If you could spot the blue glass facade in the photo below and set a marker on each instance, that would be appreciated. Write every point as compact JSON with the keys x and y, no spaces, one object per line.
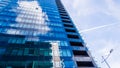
{"x":40,"y":34}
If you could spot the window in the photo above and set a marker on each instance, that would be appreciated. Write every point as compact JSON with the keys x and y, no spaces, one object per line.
{"x":46,"y":53}
{"x":63,"y":43}
{"x":72,"y":36}
{"x":65,"y":53}
{"x":70,"y":30}
{"x":31,"y":51}
{"x":12,"y":40}
{"x":11,"y":31}
{"x":85,"y":64}
{"x":26,"y":51}
{"x":68,"y":25}
{"x":80,"y":53}
{"x":63,"y":14}
{"x":20,"y":52}
{"x":69,"y":64}
{"x":64,"y":17}
{"x":2,"y":50}
{"x":60,"y":35}
{"x":16,"y":40}
{"x":68,"y":53}
{"x":14,"y":52}
{"x":72,"y":43}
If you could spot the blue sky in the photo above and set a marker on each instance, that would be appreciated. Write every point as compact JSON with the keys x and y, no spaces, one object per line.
{"x":103,"y":16}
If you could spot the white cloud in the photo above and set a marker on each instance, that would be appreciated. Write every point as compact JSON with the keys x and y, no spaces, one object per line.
{"x":85,"y":7}
{"x":88,"y":7}
{"x":113,"y":8}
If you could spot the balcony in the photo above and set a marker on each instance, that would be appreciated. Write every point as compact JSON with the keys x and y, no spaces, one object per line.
{"x":63,"y":14}
{"x":68,"y":25}
{"x":86,"y":67}
{"x":80,"y":53}
{"x":70,"y":30}
{"x":65,"y":17}
{"x":81,"y":58}
{"x":72,"y":43}
{"x":72,"y":36}
{"x":85,"y":64}
{"x":79,"y":48}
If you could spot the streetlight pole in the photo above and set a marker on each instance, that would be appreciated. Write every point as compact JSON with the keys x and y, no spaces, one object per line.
{"x":105,"y":59}
{"x":106,"y":62}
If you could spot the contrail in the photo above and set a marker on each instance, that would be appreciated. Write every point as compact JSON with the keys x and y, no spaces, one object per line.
{"x":98,"y":27}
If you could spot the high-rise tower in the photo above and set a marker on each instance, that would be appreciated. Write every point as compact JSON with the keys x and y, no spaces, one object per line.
{"x":40,"y":34}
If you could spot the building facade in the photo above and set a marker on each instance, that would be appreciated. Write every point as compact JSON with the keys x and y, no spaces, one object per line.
{"x":40,"y":34}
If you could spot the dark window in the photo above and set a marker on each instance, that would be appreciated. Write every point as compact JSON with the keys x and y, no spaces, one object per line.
{"x":68,"y":25}
{"x":63,"y":17}
{"x":29,"y":43}
{"x":61,"y":9}
{"x":80,"y":53}
{"x":85,"y":64}
{"x":63,"y":14}
{"x":70,"y":30}
{"x":31,"y":51}
{"x":72,"y":36}
{"x":66,"y":21}
{"x":17,"y":67}
{"x":76,"y":43}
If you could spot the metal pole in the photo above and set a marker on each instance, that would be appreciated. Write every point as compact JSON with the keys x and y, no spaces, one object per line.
{"x":105,"y":59}
{"x":106,"y":62}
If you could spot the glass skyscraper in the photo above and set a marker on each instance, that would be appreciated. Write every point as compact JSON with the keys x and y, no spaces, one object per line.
{"x":40,"y":34}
